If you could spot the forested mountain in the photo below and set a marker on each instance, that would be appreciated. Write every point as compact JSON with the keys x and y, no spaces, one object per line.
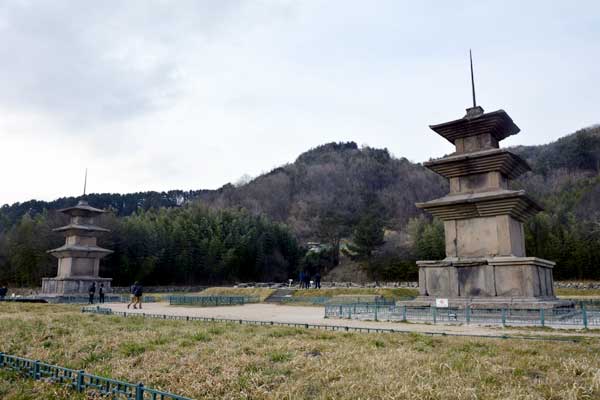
{"x":334,"y":184}
{"x":335,"y":193}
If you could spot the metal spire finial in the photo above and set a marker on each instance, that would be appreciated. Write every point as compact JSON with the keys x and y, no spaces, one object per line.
{"x":472,"y":79}
{"x":85,"y":182}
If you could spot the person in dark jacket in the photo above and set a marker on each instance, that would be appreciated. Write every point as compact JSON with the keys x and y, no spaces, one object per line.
{"x":317,"y":280}
{"x":101,"y":293}
{"x":139,"y":292}
{"x":301,"y":279}
{"x":92,"y":292}
{"x":133,"y":290}
{"x":3,"y":291}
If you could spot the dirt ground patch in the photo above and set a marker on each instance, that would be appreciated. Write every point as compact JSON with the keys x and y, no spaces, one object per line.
{"x":315,"y":315}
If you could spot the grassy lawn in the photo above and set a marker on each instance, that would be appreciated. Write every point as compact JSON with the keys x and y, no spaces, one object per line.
{"x":571,"y":292}
{"x":217,"y":360}
{"x":386,"y":292}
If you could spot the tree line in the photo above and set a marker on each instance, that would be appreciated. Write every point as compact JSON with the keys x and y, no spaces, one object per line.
{"x":186,"y":245}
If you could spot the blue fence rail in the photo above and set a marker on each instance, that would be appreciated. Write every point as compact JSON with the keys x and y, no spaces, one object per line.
{"x":212,"y":301}
{"x":580,"y":316}
{"x":325,"y":327}
{"x":81,"y":381}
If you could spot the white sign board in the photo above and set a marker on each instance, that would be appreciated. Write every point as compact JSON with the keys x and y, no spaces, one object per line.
{"x":441,"y":303}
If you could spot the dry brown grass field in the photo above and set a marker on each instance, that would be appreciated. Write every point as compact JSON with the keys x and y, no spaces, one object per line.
{"x":573,"y":292}
{"x":219,"y":360}
{"x":263,"y":293}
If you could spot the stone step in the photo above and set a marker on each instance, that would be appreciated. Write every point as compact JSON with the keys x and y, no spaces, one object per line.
{"x":279,"y":295}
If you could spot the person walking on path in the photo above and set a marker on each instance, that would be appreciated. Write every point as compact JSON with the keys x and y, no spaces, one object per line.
{"x":133,"y":290}
{"x":101,"y":293}
{"x":92,"y":292}
{"x":139,"y":292}
{"x":317,"y":280}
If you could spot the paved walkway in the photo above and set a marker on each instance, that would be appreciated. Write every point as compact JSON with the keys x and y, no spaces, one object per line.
{"x":314,"y":315}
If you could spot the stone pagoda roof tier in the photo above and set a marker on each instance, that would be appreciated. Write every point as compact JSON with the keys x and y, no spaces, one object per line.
{"x":479,"y":162}
{"x":79,"y":250}
{"x":82,"y":209}
{"x":80,"y":228}
{"x":484,"y":204}
{"x":496,"y":123}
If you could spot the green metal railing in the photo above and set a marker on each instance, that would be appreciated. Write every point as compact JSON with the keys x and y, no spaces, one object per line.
{"x":582,"y":315}
{"x":212,"y":301}
{"x":81,"y":381}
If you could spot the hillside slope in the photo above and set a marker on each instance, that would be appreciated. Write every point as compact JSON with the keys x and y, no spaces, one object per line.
{"x":335,"y":182}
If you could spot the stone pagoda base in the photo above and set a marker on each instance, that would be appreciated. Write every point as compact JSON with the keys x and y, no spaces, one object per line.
{"x":73,"y":285}
{"x":516,"y":282}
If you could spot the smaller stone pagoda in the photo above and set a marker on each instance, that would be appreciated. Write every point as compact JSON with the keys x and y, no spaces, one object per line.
{"x":79,"y":258}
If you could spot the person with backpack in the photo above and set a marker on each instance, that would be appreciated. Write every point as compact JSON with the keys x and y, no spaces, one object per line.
{"x":92,"y":292}
{"x":139,"y":292}
{"x":133,"y":290}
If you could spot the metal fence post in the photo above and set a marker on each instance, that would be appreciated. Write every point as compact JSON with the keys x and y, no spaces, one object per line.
{"x":139,"y":392}
{"x":584,"y":315}
{"x":434,"y":313}
{"x":376,"y":312}
{"x":404,"y":313}
{"x":1,"y":359}
{"x":542,"y":317}
{"x":341,"y":312}
{"x":468,"y":314}
{"x":36,"y":369}
{"x":79,"y":386}
{"x":503,"y":316}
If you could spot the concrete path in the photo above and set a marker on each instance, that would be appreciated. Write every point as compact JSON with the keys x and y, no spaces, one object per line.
{"x":314,"y":315}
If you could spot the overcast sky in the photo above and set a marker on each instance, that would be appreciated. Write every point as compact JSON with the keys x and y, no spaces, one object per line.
{"x":159,"y":95}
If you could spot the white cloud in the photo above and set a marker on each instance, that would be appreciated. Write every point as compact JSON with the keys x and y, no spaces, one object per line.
{"x":158,"y":95}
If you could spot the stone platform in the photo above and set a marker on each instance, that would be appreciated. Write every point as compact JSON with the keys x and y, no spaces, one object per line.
{"x":490,"y":282}
{"x":486,"y":277}
{"x":73,"y":285}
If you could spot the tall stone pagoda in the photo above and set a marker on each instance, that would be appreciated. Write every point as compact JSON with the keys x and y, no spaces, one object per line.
{"x":483,"y":219}
{"x":79,"y":258}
